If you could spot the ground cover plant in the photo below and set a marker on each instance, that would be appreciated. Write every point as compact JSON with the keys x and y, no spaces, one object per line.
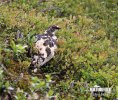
{"x":87,"y":53}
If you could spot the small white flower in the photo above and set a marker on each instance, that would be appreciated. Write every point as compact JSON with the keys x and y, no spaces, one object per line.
{"x":10,"y":88}
{"x":35,"y":96}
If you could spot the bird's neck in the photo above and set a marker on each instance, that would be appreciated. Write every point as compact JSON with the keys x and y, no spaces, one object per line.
{"x":49,"y":33}
{"x":52,"y":35}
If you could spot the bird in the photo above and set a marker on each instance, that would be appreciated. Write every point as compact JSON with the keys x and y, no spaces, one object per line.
{"x":44,"y":47}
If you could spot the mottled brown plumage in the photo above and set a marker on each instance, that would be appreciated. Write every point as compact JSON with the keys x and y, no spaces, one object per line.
{"x":45,"y":47}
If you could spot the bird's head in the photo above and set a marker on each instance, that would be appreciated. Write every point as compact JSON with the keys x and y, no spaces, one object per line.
{"x":55,"y":27}
{"x":52,"y":29}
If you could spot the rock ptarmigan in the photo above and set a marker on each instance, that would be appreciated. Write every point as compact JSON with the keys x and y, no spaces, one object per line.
{"x":44,"y":48}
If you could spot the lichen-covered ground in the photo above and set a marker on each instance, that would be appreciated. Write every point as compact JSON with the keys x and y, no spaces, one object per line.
{"x":87,"y":53}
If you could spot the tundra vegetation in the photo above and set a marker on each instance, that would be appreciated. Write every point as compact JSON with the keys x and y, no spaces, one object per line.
{"x":87,"y":53}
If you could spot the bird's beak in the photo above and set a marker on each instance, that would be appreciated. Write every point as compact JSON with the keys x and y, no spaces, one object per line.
{"x":58,"y":28}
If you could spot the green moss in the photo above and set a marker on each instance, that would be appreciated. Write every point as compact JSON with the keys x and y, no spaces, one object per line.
{"x":24,"y":83}
{"x":87,"y":44}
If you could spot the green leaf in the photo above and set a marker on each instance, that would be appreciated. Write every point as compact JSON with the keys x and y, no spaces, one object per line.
{"x":50,"y":93}
{"x":48,"y":78}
